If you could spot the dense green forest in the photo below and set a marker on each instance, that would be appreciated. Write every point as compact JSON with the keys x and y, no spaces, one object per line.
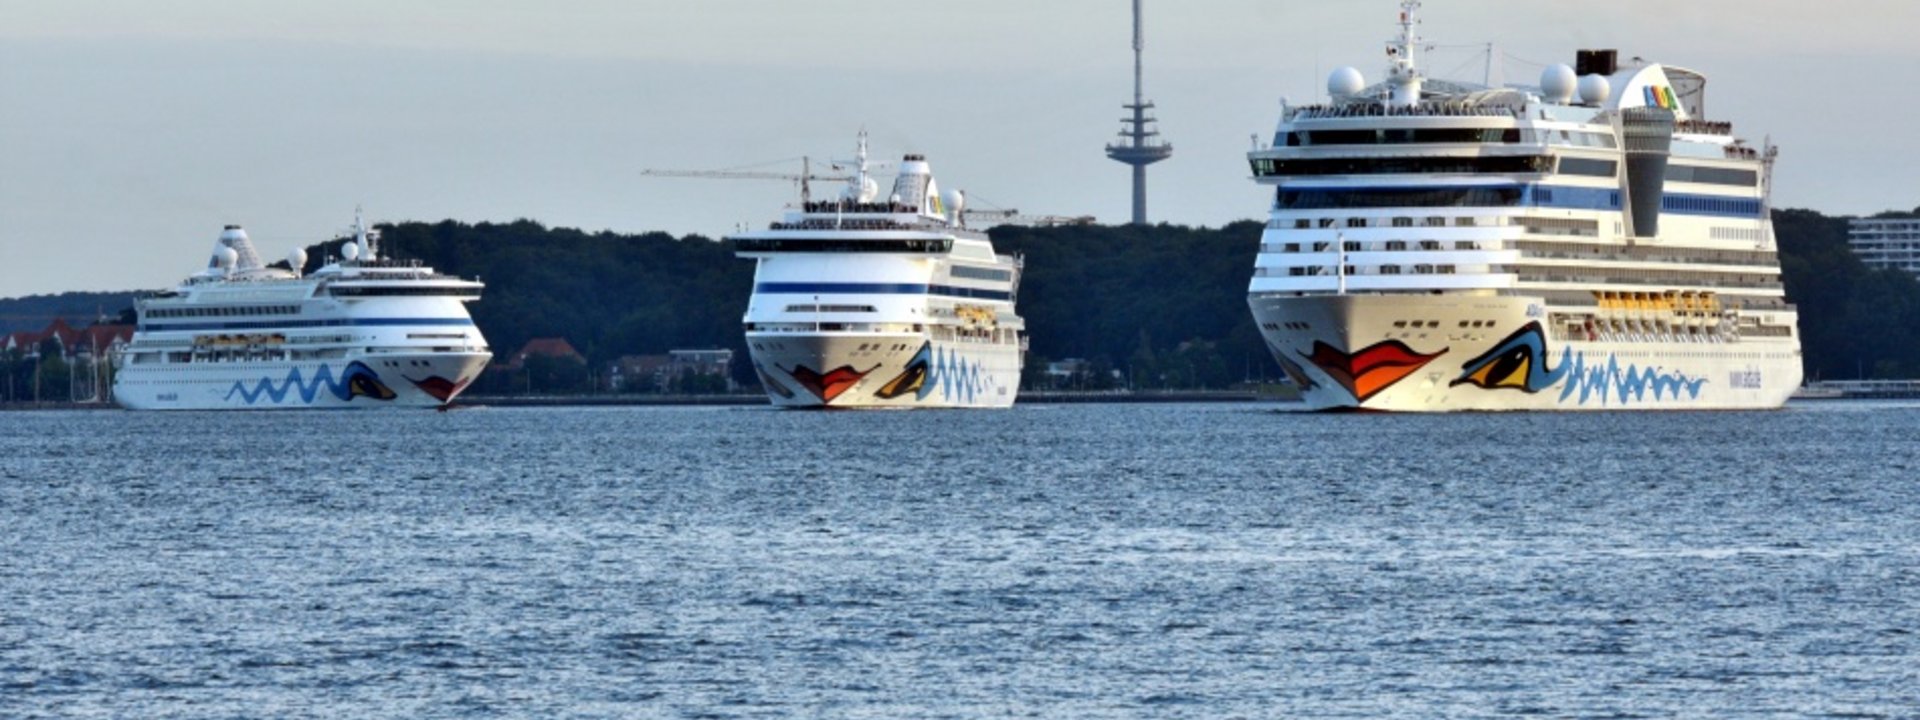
{"x":1163,"y":305}
{"x":1854,"y":322}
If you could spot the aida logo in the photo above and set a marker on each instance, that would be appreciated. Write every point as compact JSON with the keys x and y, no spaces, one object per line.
{"x":1661,"y":96}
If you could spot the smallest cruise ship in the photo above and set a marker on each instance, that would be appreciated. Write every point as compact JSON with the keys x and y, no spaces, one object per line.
{"x":363,"y":331}
{"x":872,"y":302}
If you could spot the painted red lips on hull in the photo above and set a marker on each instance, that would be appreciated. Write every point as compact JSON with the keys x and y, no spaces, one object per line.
{"x":830,"y":385}
{"x":440,"y":388}
{"x":1372,"y":369}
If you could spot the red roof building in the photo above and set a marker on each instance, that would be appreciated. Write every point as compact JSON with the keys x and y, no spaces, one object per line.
{"x":101,"y":338}
{"x":545,"y":347}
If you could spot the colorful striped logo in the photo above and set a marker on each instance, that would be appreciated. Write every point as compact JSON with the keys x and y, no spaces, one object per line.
{"x":1661,"y":96}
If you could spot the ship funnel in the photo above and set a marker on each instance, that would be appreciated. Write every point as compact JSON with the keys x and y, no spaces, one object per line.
{"x":1648,"y":136}
{"x":235,"y":238}
{"x":916,"y":178}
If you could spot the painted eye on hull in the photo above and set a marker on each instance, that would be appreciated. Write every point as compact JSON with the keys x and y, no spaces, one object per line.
{"x":1519,"y":363}
{"x":362,"y":381}
{"x":912,"y":379}
{"x":1507,"y":370}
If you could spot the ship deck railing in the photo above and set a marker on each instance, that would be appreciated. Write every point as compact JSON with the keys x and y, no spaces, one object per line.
{"x":870,"y":224}
{"x":1425,"y":109}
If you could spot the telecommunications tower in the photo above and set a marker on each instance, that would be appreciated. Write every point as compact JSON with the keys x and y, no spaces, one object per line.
{"x":1139,"y":144}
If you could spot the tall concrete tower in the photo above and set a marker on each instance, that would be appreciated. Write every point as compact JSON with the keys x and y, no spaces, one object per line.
{"x":1139,"y":145}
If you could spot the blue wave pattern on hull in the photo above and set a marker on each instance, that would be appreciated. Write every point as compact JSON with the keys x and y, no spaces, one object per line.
{"x":959,"y":379}
{"x":343,"y":388}
{"x":1629,"y":384}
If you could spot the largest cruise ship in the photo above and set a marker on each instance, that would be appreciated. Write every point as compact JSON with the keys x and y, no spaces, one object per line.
{"x":1594,"y":242}
{"x":864,"y":302}
{"x":362,"y":331}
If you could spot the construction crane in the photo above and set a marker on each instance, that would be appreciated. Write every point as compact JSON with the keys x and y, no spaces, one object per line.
{"x":986,"y":218}
{"x":806,"y":176}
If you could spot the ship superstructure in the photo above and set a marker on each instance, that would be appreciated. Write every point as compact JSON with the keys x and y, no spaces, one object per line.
{"x":1596,"y":242}
{"x":872,"y":300}
{"x":362,"y":331}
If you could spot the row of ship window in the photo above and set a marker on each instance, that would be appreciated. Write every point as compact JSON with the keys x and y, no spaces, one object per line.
{"x":231,"y":311}
{"x":1723,"y":206}
{"x":979,"y":273}
{"x":843,"y":245}
{"x":1288,"y":325}
{"x":1360,"y":222}
{"x":1622,"y":277}
{"x":1419,"y":136}
{"x":1435,"y":324}
{"x":831,"y":309}
{"x":1315,"y":270}
{"x":1508,"y":164}
{"x":1613,"y":253}
{"x":404,"y":292}
{"x":1389,"y":246}
{"x":1572,"y":198}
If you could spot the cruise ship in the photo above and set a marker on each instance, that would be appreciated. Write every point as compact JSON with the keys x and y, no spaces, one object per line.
{"x":363,"y":331}
{"x":866,"y":301}
{"x":1596,"y":242}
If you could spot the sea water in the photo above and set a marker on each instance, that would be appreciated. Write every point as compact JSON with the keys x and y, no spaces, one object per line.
{"x":1082,"y":561}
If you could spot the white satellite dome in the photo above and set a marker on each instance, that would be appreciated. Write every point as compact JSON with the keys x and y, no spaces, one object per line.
{"x":955,"y":200}
{"x":296,"y":259}
{"x":350,"y":251}
{"x":868,"y":190}
{"x":1595,"y":89}
{"x":1346,"y":82}
{"x":1557,"y":83}
{"x":224,"y":257}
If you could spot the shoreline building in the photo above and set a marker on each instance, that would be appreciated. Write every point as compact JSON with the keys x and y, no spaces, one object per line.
{"x":1886,"y":243}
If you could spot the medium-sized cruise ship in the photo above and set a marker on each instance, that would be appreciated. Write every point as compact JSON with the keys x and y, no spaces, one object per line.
{"x":363,"y":331}
{"x":1594,"y":242}
{"x":869,"y":301}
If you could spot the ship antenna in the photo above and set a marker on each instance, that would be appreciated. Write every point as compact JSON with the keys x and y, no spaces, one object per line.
{"x":860,"y":156}
{"x":369,"y":242}
{"x":1768,"y":153}
{"x":1404,"y":75}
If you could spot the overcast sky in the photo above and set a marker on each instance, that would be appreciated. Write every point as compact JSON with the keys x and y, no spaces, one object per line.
{"x":132,"y":130}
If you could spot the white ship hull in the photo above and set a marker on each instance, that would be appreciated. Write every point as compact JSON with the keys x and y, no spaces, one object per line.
{"x":1436,"y":353}
{"x":421,"y":380}
{"x":864,"y":370}
{"x":865,"y":304}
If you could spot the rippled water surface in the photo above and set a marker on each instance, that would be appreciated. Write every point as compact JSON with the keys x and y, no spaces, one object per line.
{"x":1067,"y":561}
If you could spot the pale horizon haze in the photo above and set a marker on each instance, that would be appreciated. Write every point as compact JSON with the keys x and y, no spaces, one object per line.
{"x":131,"y":131}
